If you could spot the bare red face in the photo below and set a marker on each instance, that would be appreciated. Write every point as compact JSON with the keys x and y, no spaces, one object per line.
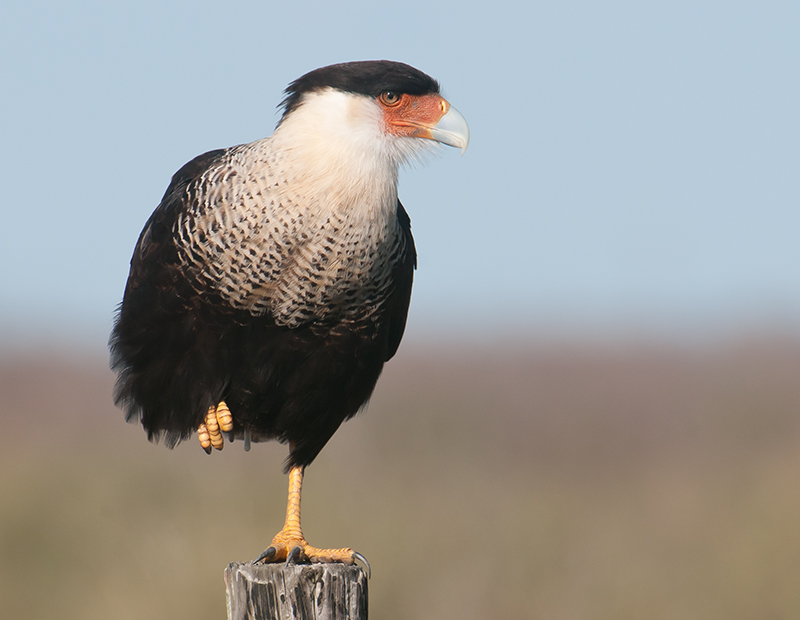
{"x":412,"y":116}
{"x":423,"y":116}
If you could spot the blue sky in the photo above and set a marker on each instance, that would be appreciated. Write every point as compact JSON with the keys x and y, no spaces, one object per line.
{"x":634,"y":167}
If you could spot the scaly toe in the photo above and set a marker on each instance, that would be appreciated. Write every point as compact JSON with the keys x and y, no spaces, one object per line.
{"x":213,"y":429}
{"x":205,"y":440}
{"x":224,"y":417}
{"x":345,"y":555}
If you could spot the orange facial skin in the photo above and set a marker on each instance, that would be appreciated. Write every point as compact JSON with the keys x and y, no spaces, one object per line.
{"x":412,"y":116}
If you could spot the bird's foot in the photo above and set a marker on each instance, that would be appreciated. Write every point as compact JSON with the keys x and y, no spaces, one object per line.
{"x":293,"y":549}
{"x":218,"y":420}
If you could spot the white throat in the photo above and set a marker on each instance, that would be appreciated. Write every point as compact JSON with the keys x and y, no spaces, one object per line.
{"x":333,"y":147}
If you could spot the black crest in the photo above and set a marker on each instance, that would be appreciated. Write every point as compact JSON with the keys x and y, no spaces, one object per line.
{"x":366,"y":77}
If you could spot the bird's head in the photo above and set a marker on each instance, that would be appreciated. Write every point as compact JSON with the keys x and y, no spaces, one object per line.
{"x":377,"y":107}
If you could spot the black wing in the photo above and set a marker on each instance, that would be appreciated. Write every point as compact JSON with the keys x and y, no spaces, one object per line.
{"x":157,"y":323}
{"x":403,"y":280}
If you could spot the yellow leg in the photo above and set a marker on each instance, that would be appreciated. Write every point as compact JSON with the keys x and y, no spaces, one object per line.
{"x":290,"y":545}
{"x":209,"y":432}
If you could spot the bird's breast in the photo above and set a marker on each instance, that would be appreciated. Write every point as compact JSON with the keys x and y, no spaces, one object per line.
{"x":266,"y":249}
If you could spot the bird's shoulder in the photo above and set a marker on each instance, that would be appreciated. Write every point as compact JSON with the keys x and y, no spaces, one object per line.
{"x":160,"y":225}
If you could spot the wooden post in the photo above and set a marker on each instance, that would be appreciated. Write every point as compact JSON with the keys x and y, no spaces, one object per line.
{"x":296,"y":592}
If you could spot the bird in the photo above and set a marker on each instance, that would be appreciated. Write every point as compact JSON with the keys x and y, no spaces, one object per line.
{"x":273,"y":280}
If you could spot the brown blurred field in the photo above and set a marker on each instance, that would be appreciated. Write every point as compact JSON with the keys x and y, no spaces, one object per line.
{"x":557,"y":482}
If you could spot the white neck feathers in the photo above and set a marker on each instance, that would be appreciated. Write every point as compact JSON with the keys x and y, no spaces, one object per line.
{"x":333,"y":149}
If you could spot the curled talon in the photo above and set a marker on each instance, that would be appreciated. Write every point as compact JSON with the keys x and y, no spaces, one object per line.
{"x":266,"y":554}
{"x":294,"y":555}
{"x":363,"y":560}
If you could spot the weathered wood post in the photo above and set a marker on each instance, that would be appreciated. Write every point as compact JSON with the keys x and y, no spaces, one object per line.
{"x":296,"y":592}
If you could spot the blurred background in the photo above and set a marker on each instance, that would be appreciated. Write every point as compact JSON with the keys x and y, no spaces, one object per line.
{"x":595,"y":411}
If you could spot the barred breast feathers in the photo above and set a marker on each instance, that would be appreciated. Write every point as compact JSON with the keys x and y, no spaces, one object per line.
{"x":285,"y":227}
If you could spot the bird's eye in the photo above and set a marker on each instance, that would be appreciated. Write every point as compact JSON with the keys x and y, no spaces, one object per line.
{"x":390,"y":98}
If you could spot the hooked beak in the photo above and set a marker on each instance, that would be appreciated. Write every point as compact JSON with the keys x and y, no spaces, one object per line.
{"x":451,"y":129}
